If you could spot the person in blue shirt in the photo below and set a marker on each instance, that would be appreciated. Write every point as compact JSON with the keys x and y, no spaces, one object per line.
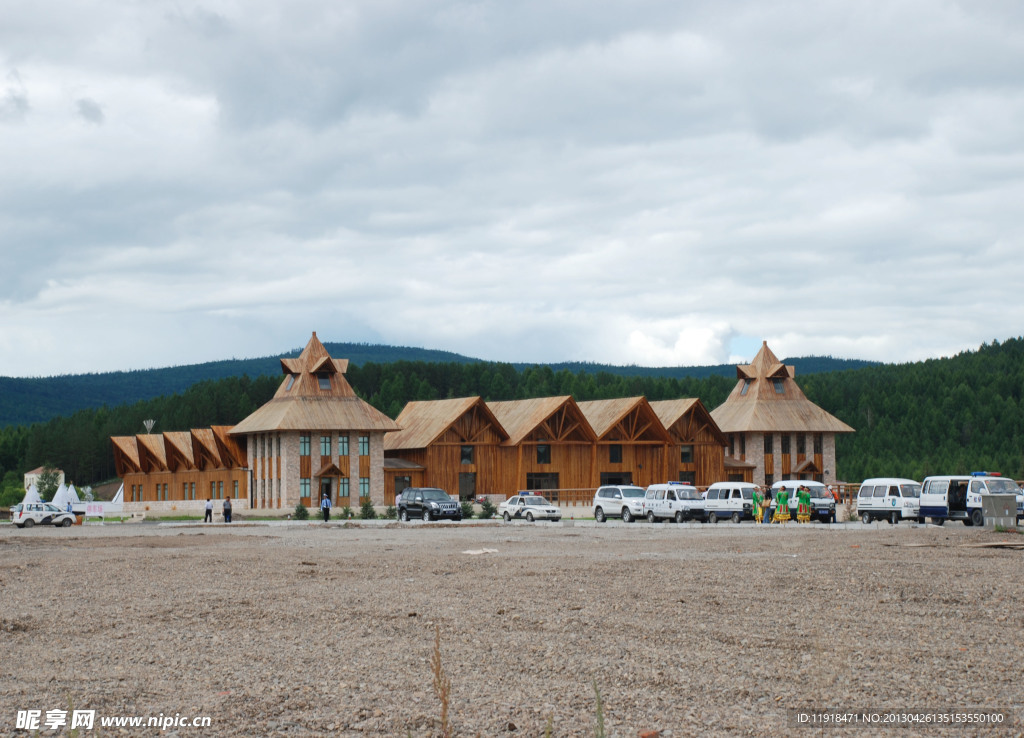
{"x":325,"y":507}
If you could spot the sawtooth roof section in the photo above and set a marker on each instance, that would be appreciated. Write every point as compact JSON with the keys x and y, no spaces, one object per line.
{"x":757,"y":404}
{"x":300,"y":403}
{"x":633,"y":416}
{"x":521,"y":418}
{"x":152,"y":455}
{"x":178,"y":445}
{"x":423,"y":422}
{"x":126,"y":455}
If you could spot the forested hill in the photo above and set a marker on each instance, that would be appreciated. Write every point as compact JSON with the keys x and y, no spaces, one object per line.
{"x":31,"y":400}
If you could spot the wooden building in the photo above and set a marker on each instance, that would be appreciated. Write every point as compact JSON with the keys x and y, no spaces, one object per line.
{"x":696,"y":453}
{"x":450,"y":444}
{"x":771,"y":425}
{"x":631,"y":441}
{"x":181,"y":469}
{"x":550,"y":443}
{"x":315,"y":437}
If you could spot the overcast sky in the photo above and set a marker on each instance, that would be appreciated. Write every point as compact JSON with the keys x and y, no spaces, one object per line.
{"x":652,"y":181}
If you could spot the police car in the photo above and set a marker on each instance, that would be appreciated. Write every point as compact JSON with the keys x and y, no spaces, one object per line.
{"x":40,"y":513}
{"x":889,"y":498}
{"x":673,"y":501}
{"x":958,"y":497}
{"x":529,"y":506}
{"x":734,"y":500}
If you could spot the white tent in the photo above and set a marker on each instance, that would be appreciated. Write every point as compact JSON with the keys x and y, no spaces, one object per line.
{"x":61,"y":498}
{"x":32,"y":495}
{"x":73,"y":493}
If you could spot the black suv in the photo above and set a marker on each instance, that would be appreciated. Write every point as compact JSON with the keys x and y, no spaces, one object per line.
{"x":428,"y":503}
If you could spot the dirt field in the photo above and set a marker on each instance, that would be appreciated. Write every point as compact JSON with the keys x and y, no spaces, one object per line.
{"x":306,"y":629}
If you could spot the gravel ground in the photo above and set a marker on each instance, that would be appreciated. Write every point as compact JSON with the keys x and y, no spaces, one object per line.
{"x":307,"y":629}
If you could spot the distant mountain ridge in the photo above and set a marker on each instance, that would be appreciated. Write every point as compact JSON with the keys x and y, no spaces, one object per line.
{"x":26,"y":400}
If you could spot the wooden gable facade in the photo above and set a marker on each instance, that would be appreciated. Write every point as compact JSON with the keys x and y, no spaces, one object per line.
{"x":450,"y":444}
{"x":550,"y":445}
{"x":696,"y":453}
{"x":631,"y":441}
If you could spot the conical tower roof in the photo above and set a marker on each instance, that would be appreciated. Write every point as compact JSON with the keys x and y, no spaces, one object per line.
{"x":315,"y":396}
{"x":767,"y":398}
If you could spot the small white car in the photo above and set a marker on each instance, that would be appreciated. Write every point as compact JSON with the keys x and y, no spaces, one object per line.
{"x":530,"y":507}
{"x":40,"y":513}
{"x":734,"y":500}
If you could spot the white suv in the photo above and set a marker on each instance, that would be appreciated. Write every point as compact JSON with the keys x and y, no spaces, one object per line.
{"x":673,"y":501}
{"x":40,"y":513}
{"x":619,"y":501}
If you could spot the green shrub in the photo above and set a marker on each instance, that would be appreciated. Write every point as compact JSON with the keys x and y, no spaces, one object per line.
{"x":301,"y":513}
{"x":346,"y":512}
{"x":467,"y":509}
{"x":391,"y":513}
{"x":366,"y":511}
{"x":487,"y":509}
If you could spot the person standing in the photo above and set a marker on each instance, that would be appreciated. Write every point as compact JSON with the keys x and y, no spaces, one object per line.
{"x":767,"y":504}
{"x":227,"y":509}
{"x":325,"y":507}
{"x":209,"y":511}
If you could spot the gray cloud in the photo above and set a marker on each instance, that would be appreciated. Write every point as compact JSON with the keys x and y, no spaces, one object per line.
{"x":90,"y":111}
{"x":636,"y":182}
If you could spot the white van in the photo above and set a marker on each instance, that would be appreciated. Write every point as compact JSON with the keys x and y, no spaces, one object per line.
{"x":823,"y":504}
{"x":959,"y":497}
{"x":729,"y":500}
{"x":889,"y":498}
{"x":673,"y":501}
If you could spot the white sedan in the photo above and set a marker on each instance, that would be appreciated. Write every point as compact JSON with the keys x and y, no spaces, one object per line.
{"x":531,"y":507}
{"x":40,"y":513}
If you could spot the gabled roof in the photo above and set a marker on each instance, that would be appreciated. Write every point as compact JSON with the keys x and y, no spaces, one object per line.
{"x":178,"y":445}
{"x":767,"y":398}
{"x":423,"y":422}
{"x":685,"y":417}
{"x":126,"y":455}
{"x":624,"y":419}
{"x":315,"y":396}
{"x":152,"y":455}
{"x":554,"y":418}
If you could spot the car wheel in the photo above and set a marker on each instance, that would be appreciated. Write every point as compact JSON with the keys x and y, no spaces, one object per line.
{"x":403,"y":515}
{"x":712,"y":517}
{"x":65,"y":523}
{"x":29,"y":523}
{"x":650,"y":516}
{"x":736,"y":517}
{"x":599,"y":515}
{"x":679,"y":516}
{"x":627,"y":516}
{"x":426,"y":516}
{"x":865,"y":517}
{"x":939,"y":521}
{"x":508,"y":518}
{"x":977,"y":518}
{"x":529,"y":516}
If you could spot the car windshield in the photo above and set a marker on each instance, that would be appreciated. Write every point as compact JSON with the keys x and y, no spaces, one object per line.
{"x":910,"y":490}
{"x":535,"y":501}
{"x":1002,"y":486}
{"x":632,"y":492}
{"x":51,"y":508}
{"x":688,"y":494}
{"x":748,"y":494}
{"x":435,"y":495}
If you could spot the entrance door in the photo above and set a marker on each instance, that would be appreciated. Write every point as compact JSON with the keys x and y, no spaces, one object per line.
{"x":325,"y":489}
{"x":400,"y":484}
{"x":467,"y":485}
{"x":616,"y":478}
